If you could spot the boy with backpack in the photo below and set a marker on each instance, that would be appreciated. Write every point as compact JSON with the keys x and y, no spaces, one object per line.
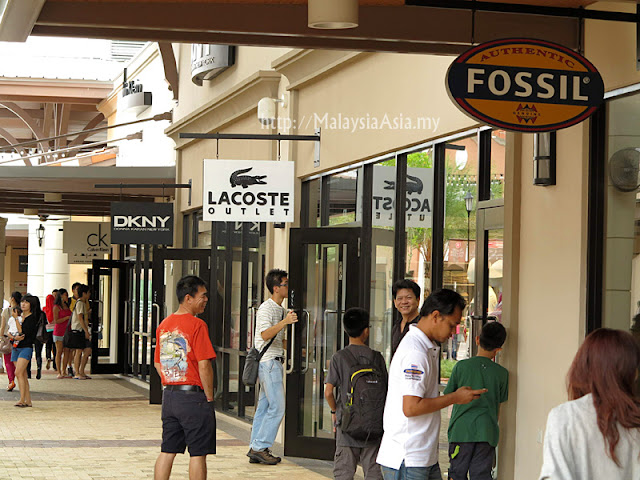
{"x":360,"y":376}
{"x":473,"y":429}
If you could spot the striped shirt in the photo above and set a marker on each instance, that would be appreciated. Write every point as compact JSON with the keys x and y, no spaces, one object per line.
{"x":269,"y":314}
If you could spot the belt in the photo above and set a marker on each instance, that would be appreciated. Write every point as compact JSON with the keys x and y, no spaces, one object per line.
{"x":184,"y":388}
{"x":280,"y":359}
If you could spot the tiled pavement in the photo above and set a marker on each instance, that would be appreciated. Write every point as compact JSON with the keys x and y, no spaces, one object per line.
{"x":104,"y":428}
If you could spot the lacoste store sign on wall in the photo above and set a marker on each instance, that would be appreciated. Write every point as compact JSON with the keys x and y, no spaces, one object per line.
{"x":248,"y":191}
{"x":142,"y":223}
{"x":525,"y":85}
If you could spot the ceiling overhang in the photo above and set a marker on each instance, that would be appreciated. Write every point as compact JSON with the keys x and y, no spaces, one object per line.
{"x":24,"y":187}
{"x":435,"y":27}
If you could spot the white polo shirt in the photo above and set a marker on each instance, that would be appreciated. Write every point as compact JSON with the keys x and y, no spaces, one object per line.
{"x":413,"y":371}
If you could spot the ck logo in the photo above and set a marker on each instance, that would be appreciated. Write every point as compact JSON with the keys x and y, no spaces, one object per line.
{"x":97,"y":239}
{"x":237,"y":178}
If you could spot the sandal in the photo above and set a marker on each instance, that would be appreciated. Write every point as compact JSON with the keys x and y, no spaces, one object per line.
{"x":20,"y":405}
{"x":80,"y":378}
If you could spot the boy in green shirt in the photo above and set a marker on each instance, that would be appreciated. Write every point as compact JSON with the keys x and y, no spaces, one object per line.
{"x":473,"y":429}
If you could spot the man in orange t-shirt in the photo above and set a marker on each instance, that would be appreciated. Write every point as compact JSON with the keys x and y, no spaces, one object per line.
{"x":183,"y":360}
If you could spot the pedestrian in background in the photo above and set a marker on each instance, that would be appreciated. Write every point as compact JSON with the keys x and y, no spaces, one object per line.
{"x":356,"y":361}
{"x":596,"y":434}
{"x":183,"y":360}
{"x":473,"y":428}
{"x":14,"y":302}
{"x":61,"y":318}
{"x":271,"y":322}
{"x":406,"y":299}
{"x":23,"y":351}
{"x":409,"y":447}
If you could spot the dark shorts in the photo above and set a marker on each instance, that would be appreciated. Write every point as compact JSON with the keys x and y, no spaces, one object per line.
{"x":187,"y":421}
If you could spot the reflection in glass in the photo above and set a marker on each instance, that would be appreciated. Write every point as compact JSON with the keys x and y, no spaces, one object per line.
{"x":343,"y":197}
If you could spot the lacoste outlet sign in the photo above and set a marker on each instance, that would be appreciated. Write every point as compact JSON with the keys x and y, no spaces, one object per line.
{"x":525,"y":85}
{"x":138,"y":223}
{"x":248,"y":191}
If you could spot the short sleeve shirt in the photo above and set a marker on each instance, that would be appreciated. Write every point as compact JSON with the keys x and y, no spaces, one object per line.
{"x":339,"y":370}
{"x":413,"y":372}
{"x":181,"y":342}
{"x":477,"y":421}
{"x":80,"y":308}
{"x":268,"y":315}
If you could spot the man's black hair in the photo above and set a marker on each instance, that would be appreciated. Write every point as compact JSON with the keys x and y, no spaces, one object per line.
{"x":82,"y":289}
{"x":76,"y":284}
{"x":54,"y":291}
{"x":444,"y":300}
{"x":17,"y":296}
{"x":405,"y":283}
{"x":355,"y":320}
{"x":492,"y":336}
{"x":274,"y":278}
{"x":189,"y":285}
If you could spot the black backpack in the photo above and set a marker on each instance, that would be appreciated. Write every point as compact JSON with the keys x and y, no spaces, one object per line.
{"x":363,"y":409}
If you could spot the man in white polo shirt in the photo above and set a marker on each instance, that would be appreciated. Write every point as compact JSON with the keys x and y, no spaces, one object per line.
{"x":409,"y":447}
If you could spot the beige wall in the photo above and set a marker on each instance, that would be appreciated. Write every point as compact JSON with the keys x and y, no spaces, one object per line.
{"x":552,"y":285}
{"x":11,"y":270}
{"x":370,"y":87}
{"x":248,"y":61}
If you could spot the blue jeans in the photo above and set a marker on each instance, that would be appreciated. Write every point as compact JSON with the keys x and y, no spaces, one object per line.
{"x":412,"y":473}
{"x":271,"y":405}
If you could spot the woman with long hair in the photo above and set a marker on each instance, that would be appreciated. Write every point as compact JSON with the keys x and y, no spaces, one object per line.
{"x":21,"y":354}
{"x":61,"y":317}
{"x":596,"y":434}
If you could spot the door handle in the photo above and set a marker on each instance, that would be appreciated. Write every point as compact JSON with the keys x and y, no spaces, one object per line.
{"x":306,"y":357}
{"x":156,"y":306}
{"x":292,"y":349}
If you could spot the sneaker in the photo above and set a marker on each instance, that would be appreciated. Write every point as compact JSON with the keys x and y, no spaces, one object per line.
{"x":39,"y":374}
{"x":261,"y":456}
{"x":278,"y":459}
{"x":11,"y":386}
{"x":49,"y":364}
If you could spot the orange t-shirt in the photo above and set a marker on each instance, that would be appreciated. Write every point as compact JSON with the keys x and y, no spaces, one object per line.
{"x":181,"y":342}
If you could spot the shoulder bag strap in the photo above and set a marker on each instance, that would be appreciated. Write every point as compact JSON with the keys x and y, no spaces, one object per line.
{"x":266,"y":347}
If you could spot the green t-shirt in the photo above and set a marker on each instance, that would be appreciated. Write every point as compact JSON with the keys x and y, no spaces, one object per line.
{"x":478,"y":421}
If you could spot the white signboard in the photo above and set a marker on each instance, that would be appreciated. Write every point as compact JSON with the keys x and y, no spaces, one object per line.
{"x":86,"y":241}
{"x":419,"y":201}
{"x":248,"y":191}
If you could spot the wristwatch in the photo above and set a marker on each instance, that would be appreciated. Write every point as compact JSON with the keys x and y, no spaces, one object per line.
{"x":333,"y":412}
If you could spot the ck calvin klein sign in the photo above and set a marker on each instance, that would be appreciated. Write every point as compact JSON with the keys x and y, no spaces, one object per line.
{"x":84,"y":242}
{"x":142,"y":223}
{"x":248,"y":191}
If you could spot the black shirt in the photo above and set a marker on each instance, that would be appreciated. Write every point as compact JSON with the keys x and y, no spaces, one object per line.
{"x":29,"y":330}
{"x":397,"y":335}
{"x":339,"y":371}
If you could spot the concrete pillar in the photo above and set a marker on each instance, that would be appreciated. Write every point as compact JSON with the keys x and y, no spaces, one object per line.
{"x":56,"y":266}
{"x":35,"y":271}
{"x":3,"y":237}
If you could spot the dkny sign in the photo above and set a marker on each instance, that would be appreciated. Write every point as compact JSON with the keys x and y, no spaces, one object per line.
{"x":248,"y":191}
{"x":142,"y":223}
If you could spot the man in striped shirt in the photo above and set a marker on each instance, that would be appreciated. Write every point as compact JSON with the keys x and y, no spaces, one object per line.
{"x":271,"y":322}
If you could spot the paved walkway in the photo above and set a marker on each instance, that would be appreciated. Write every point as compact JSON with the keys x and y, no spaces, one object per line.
{"x":104,"y":428}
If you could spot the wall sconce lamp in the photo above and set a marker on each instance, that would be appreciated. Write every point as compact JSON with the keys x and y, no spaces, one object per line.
{"x":40,"y":232}
{"x":544,"y":159}
{"x":332,"y":14}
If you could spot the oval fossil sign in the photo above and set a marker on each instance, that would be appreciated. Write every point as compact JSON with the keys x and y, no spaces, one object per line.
{"x":525,"y":85}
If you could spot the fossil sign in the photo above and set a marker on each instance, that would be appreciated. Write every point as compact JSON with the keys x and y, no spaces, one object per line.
{"x":248,"y":191}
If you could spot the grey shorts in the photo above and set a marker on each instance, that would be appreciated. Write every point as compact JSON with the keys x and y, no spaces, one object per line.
{"x":56,"y":338}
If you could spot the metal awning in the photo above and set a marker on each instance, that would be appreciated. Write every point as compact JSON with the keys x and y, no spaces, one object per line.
{"x":25,"y":187}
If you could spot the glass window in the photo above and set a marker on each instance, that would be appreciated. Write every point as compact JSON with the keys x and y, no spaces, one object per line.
{"x":344,"y":193}
{"x":622,"y":215}
{"x":419,"y":222}
{"x":382,"y":247}
{"x":498,"y":143}
{"x":314,"y":202}
{"x":461,"y":193}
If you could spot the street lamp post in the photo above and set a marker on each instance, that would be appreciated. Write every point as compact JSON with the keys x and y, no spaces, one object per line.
{"x":468,"y":203}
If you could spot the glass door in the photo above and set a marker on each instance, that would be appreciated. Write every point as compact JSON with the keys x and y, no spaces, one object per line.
{"x":169,"y":266}
{"x":323,"y":283}
{"x":489,"y":266}
{"x":109,"y":301}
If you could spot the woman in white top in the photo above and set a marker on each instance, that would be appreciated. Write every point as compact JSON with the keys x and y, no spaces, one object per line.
{"x":596,"y":435}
